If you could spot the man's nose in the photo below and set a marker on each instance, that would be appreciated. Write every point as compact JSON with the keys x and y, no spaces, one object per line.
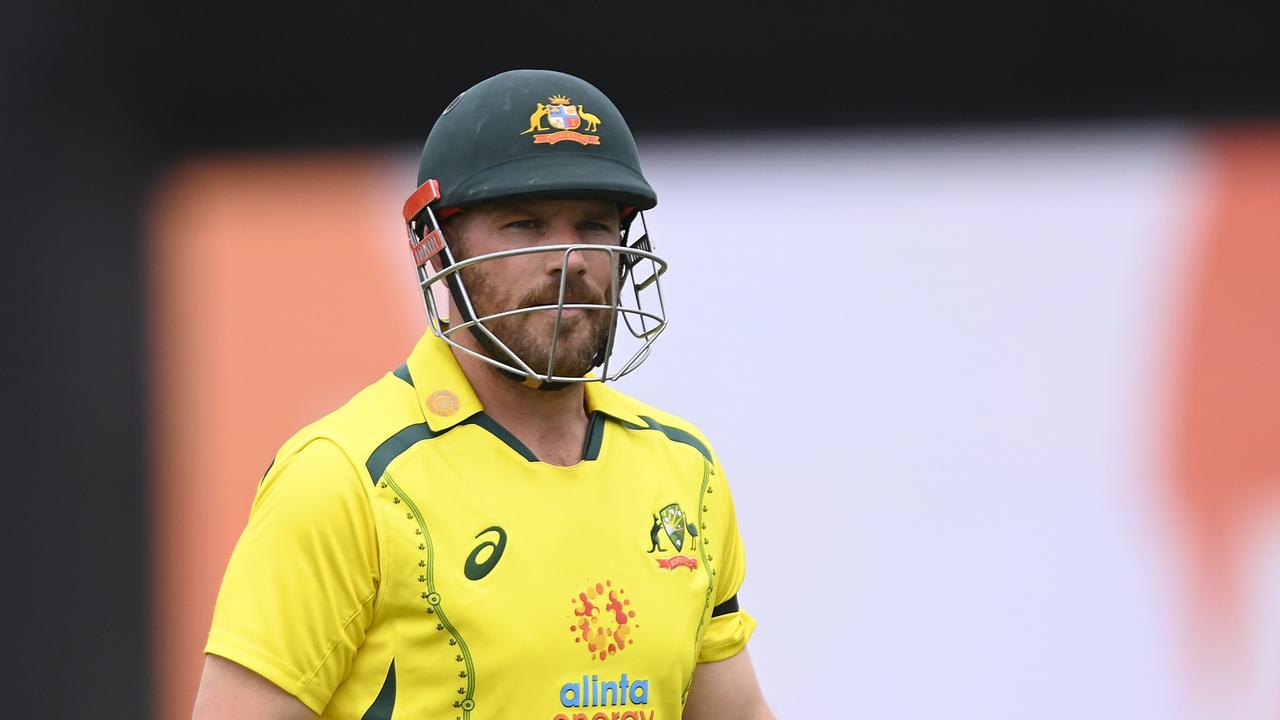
{"x":573,"y":262}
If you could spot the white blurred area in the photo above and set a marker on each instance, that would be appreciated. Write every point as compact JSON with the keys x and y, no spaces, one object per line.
{"x":930,"y":365}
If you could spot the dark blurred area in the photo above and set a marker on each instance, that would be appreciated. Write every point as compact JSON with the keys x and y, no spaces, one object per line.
{"x":100,"y":99}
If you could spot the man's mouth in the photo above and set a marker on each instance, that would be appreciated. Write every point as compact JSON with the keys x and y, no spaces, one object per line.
{"x":552,"y":304}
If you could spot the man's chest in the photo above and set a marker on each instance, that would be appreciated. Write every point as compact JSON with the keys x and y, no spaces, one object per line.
{"x":532,"y":586}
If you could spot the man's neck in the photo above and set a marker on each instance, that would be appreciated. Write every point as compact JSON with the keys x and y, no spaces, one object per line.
{"x":551,"y":423}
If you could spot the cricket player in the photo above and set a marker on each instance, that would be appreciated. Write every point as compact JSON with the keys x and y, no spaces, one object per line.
{"x":490,"y":531}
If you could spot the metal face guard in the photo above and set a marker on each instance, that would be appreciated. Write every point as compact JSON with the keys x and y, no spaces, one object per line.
{"x":635,"y":294}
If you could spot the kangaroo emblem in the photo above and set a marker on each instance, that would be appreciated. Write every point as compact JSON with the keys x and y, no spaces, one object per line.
{"x":654,"y":537}
{"x":593,"y":122}
{"x":535,"y":120}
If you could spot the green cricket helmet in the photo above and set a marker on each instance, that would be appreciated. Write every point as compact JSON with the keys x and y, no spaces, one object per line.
{"x":535,"y":134}
{"x":530,"y":134}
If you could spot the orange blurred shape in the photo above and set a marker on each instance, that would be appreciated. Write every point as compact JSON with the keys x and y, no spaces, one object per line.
{"x":1225,"y":444}
{"x":278,"y":287}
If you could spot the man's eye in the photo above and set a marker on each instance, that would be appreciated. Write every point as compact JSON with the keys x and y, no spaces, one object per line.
{"x":523,"y":224}
{"x":598,"y":227}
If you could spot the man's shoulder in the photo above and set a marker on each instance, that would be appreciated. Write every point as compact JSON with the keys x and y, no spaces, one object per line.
{"x":360,"y":425}
{"x":649,"y":417}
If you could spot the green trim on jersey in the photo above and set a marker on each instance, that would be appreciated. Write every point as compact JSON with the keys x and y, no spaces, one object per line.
{"x":433,"y":600}
{"x":673,"y":433}
{"x":267,"y":472}
{"x":385,"y":703}
{"x":402,"y":372}
{"x":595,"y":437}
{"x":709,"y":571}
{"x":502,"y":434}
{"x":391,"y":448}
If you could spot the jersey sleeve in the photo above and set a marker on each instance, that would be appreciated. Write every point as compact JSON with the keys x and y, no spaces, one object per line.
{"x":299,"y":589}
{"x":730,"y":626}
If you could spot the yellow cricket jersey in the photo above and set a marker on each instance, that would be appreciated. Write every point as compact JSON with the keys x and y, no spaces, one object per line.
{"x":407,"y":557}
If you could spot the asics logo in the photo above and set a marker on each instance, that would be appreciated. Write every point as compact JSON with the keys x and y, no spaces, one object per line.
{"x":475,"y":568}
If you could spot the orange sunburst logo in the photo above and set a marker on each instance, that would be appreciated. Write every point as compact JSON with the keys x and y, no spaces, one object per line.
{"x":603,"y":620}
{"x":443,"y":403}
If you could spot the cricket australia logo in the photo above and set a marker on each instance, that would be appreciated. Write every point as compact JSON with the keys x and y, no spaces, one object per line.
{"x":565,"y":119}
{"x":680,"y":531}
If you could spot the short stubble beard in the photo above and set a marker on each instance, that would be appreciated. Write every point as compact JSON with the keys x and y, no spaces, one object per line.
{"x":581,"y":338}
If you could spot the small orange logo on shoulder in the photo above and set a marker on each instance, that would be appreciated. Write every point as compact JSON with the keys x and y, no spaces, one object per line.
{"x":565,"y":118}
{"x":443,"y":403}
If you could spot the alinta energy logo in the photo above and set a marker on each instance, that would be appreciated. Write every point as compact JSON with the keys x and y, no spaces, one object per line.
{"x":603,"y":620}
{"x":584,"y":697}
{"x":679,"y":528}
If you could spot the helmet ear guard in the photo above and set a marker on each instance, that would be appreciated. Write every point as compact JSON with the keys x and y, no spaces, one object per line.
{"x":428,"y":246}
{"x":435,"y":262}
{"x":425,"y":245}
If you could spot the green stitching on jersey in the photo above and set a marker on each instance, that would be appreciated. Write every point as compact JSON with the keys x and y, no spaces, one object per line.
{"x":706,"y":568}
{"x":385,"y":703}
{"x":433,"y":600}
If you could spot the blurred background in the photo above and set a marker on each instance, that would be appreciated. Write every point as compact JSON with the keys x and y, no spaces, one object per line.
{"x":980,"y":305}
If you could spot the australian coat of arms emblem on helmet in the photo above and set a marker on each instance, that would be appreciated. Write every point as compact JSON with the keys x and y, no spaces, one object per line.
{"x":567,"y":121}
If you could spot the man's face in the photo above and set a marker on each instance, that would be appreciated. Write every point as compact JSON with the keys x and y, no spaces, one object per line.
{"x":533,"y":279}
